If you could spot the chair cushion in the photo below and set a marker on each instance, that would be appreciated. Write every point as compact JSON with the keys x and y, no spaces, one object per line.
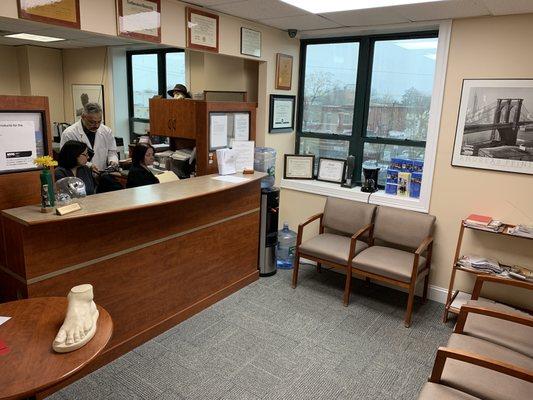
{"x":347,"y":216}
{"x":483,"y":382}
{"x":331,"y":247}
{"x":435,"y":391}
{"x":388,"y":262}
{"x":509,"y":334}
{"x":402,"y":227}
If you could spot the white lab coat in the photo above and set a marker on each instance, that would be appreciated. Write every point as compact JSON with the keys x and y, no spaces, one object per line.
{"x":105,"y":147}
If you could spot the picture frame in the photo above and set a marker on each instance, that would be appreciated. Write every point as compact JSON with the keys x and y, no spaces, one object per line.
{"x":202,"y":30}
{"x":139,"y":19}
{"x":331,"y":170}
{"x":495,"y":125}
{"x":60,"y":12}
{"x":250,"y":42}
{"x":283,"y":71}
{"x":86,"y":93}
{"x":281,"y":115}
{"x":299,"y":166}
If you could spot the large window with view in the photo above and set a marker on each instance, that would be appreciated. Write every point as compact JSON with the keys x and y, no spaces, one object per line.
{"x":368,"y":97}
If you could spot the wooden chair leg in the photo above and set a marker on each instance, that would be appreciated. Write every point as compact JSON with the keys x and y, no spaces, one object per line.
{"x":348,"y":286}
{"x":367,"y":281}
{"x":425,"y":293}
{"x":319,"y":267}
{"x":410,"y":301}
{"x":295,"y":269}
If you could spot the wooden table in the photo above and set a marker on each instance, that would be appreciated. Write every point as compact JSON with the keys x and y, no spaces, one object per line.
{"x":31,"y":365}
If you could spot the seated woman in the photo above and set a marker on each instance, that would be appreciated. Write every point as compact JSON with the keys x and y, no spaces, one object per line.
{"x":72,"y":161}
{"x":139,"y":174}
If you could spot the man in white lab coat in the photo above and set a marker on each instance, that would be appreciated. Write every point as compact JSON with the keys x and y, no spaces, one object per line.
{"x":98,"y":137}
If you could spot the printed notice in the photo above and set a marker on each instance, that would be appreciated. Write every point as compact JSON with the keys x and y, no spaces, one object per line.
{"x":18,"y":145}
{"x":241,"y":126}
{"x":218,"y":131}
{"x":244,"y":153}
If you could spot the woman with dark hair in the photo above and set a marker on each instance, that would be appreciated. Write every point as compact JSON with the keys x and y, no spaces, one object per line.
{"x":139,"y":175}
{"x":72,"y":161}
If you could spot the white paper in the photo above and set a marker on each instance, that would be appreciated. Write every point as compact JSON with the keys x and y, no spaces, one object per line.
{"x":17,"y":144}
{"x":282,"y":113}
{"x":203,"y":30}
{"x":250,"y":42}
{"x":226,"y":161}
{"x":218,"y":131}
{"x":4,"y":319}
{"x":231,"y":179}
{"x":244,"y":155}
{"x":241,"y":126}
{"x":330,"y":170}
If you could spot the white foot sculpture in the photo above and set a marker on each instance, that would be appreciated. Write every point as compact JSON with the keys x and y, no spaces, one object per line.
{"x":80,"y":322}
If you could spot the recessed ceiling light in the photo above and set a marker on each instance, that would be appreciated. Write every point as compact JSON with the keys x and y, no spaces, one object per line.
{"x":35,"y":38}
{"x":321,"y":6}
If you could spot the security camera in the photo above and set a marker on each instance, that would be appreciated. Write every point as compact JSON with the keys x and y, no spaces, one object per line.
{"x":292,"y":32}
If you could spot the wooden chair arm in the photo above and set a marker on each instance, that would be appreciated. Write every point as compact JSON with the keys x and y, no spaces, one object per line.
{"x":443,"y":353}
{"x":306,"y":222}
{"x":512,"y":317}
{"x":480,"y":279}
{"x":355,"y":237}
{"x":424,"y":245}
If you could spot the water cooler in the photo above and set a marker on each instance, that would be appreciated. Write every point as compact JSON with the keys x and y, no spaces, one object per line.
{"x":268,"y":231}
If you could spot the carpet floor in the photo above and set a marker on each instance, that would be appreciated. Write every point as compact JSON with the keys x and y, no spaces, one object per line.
{"x":269,"y":341}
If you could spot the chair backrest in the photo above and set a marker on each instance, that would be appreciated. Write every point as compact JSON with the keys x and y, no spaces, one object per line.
{"x":402,"y":227}
{"x":347,"y":216}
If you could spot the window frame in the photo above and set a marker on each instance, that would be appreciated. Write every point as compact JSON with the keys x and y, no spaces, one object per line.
{"x":358,"y":138}
{"x":161,"y":79}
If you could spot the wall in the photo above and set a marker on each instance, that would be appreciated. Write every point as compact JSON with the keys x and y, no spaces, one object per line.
{"x":9,"y":71}
{"x":491,"y":47}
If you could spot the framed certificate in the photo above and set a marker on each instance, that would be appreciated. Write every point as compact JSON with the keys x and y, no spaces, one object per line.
{"x":331,"y":170}
{"x":202,"y":30}
{"x":298,"y":166}
{"x":250,"y":42}
{"x":58,"y":12}
{"x":140,"y":19}
{"x":281,"y":117}
{"x":283,"y":71}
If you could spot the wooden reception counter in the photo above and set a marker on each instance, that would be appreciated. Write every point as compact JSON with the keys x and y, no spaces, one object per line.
{"x":155,"y":254}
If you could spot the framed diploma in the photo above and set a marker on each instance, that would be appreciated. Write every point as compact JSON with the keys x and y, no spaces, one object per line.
{"x":140,"y":19}
{"x":57,"y":12}
{"x":298,"y":166}
{"x":250,"y":42}
{"x":202,"y":30}
{"x":281,"y":117}
{"x":331,"y":170}
{"x":283,"y":71}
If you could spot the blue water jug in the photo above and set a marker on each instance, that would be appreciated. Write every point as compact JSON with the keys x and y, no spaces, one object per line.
{"x":285,"y":248}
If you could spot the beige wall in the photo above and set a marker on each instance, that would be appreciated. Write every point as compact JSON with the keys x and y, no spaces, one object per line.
{"x":491,"y":47}
{"x":9,"y":71}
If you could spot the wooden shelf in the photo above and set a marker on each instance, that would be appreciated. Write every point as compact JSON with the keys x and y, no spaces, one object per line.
{"x":504,"y":230}
{"x":459,"y":299}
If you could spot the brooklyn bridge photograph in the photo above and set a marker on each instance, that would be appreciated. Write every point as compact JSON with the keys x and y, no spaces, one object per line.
{"x":495,"y":125}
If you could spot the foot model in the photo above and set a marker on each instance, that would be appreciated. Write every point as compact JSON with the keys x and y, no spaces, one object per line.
{"x":80,"y":322}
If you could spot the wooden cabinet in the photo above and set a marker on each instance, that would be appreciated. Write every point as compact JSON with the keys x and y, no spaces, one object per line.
{"x":189,"y":119}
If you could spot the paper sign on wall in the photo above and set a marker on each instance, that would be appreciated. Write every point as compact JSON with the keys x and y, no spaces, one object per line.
{"x":17,"y":144}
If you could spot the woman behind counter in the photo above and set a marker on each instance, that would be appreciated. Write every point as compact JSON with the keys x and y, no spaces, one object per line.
{"x":72,"y":161}
{"x":139,"y":174}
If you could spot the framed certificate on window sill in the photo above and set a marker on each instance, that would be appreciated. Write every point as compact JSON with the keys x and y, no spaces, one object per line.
{"x":331,"y":170}
{"x":298,"y":166}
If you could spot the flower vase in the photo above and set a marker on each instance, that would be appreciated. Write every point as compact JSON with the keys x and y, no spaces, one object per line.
{"x":47,"y":191}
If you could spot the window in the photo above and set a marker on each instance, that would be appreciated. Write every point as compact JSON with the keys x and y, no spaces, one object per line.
{"x":368,"y":97}
{"x":151,"y":73}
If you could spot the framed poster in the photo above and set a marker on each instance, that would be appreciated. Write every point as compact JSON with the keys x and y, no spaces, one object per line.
{"x":140,"y":19}
{"x":57,"y":12}
{"x":283,"y":71}
{"x":281,"y":117}
{"x":495,"y":125}
{"x":83,"y":94}
{"x":331,"y":170}
{"x":298,"y":166}
{"x":250,"y":42}
{"x":202,"y":30}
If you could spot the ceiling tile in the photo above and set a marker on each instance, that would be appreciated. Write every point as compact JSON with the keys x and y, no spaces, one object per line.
{"x":260,"y":9}
{"x":301,"y":22}
{"x":500,"y":7}
{"x":443,"y":10}
{"x":367,"y":17}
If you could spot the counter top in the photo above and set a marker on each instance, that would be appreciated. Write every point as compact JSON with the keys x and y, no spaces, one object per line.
{"x":131,"y":199}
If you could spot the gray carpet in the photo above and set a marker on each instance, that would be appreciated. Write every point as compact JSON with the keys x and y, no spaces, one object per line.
{"x":269,"y":341}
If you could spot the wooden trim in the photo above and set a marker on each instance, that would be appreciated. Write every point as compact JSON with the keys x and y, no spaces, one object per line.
{"x":188,"y":12}
{"x":32,"y":17}
{"x":481,"y":279}
{"x":136,"y":35}
{"x":511,"y":317}
{"x":424,"y":245}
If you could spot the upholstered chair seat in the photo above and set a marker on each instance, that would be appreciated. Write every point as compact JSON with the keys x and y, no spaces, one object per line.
{"x":331,"y":247}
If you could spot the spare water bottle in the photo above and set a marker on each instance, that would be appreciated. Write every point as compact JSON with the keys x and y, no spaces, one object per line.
{"x":285,"y":248}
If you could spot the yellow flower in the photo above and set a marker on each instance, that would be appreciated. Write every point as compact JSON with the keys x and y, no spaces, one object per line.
{"x":45,"y":161}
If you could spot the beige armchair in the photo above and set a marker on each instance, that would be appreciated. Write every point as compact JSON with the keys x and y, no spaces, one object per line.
{"x":395,"y":255}
{"x":345,"y":229}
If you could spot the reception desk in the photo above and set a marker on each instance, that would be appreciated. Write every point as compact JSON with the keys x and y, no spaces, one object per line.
{"x":155,"y":254}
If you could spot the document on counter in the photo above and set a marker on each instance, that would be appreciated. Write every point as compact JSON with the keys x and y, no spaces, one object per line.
{"x":167,"y":176}
{"x":244,"y":154}
{"x":241,"y":126}
{"x":230,"y":179}
{"x":4,"y":319}
{"x":218,"y":131}
{"x":19,"y":148}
